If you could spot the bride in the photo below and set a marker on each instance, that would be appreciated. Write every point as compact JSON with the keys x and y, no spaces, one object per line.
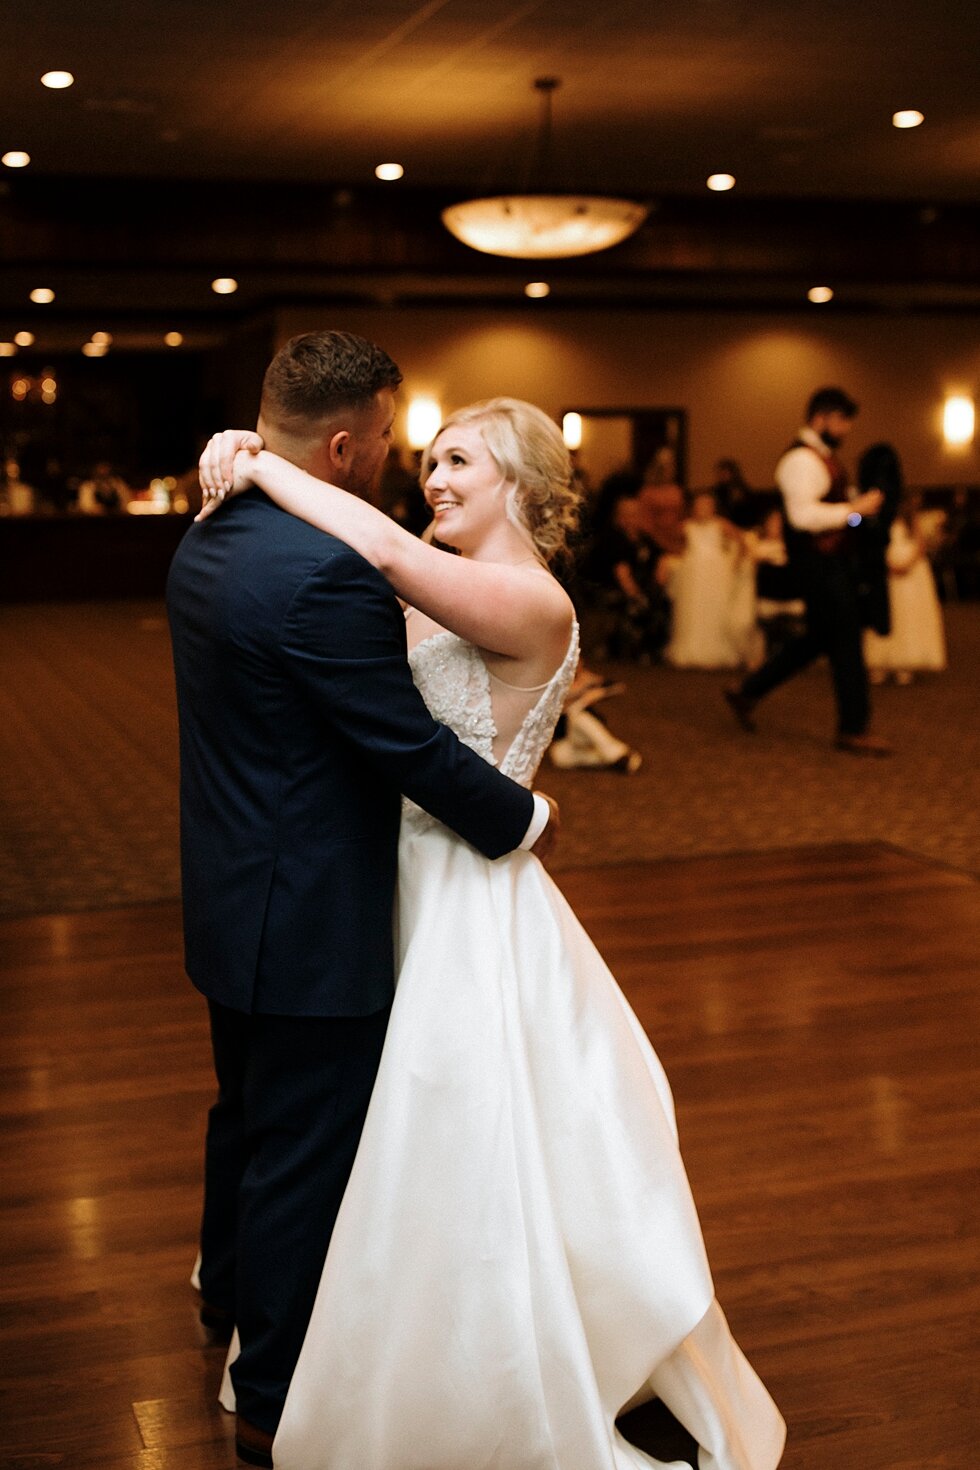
{"x":517,"y":1257}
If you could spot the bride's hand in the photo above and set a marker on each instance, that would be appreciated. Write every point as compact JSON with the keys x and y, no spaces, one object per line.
{"x":223,"y":467}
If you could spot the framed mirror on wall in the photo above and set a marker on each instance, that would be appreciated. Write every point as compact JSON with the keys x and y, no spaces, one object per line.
{"x":634,"y":439}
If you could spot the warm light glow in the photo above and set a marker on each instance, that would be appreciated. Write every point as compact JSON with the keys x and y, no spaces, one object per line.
{"x":424,"y":418}
{"x":819,"y":294}
{"x":909,"y":118}
{"x":7,"y":349}
{"x":959,"y":420}
{"x":57,"y":80}
{"x":16,"y":159}
{"x":49,"y":384}
{"x":84,"y":1228}
{"x":174,"y":339}
{"x":389,"y":171}
{"x":721,"y":182}
{"x":95,"y":349}
{"x":543,"y":226}
{"x":537,"y":290}
{"x":24,"y":339}
{"x":147,"y":508}
{"x":20,"y":388}
{"x":104,"y":339}
{"x":42,"y":295}
{"x":571,"y":430}
{"x":224,"y":286}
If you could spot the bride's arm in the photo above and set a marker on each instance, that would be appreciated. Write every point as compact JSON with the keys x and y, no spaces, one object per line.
{"x":514,"y":611}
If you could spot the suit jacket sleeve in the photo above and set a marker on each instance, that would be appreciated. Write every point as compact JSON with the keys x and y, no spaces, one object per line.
{"x":343,"y":639}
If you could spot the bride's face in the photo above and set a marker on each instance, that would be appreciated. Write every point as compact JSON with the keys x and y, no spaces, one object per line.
{"x":464,"y":487}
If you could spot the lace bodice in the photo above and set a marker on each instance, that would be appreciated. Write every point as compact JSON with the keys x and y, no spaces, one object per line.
{"x":458,"y":690}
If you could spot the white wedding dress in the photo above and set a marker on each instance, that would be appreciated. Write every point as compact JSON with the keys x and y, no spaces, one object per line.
{"x":517,"y":1257}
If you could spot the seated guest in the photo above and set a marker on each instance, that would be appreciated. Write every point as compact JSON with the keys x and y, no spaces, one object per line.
{"x":626,"y":571}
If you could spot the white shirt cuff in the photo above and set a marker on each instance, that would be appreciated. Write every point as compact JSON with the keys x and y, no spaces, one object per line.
{"x":542,"y":812}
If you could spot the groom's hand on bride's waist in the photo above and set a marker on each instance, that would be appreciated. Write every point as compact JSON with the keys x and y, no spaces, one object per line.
{"x":548,"y":840}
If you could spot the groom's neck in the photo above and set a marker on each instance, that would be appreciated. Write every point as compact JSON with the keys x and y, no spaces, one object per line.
{"x":303,"y":443}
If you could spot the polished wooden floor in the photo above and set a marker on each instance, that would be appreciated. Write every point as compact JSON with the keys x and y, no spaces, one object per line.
{"x":817,"y":1012}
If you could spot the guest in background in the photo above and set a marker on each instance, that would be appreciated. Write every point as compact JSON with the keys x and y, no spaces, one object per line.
{"x":709,"y":620}
{"x":917,"y":640}
{"x":957,"y":559}
{"x":879,"y":468}
{"x":105,"y":493}
{"x":622,"y":575}
{"x":583,"y":739}
{"x":780,"y":610}
{"x":19,"y":497}
{"x":637,"y":570}
{"x":820,"y":518}
{"x":733,"y":497}
{"x":662,"y":503}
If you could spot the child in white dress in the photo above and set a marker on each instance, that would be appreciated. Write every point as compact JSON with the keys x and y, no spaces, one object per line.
{"x":708,"y":623}
{"x":917,"y":641}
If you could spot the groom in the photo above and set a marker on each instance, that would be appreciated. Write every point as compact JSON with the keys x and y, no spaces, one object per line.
{"x":300,"y":727}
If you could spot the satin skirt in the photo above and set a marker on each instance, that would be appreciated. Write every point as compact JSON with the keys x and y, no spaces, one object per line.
{"x":517,"y":1257}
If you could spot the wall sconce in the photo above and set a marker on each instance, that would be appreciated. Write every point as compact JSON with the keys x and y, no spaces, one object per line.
{"x":424,"y":421}
{"x":959,"y":420}
{"x":571,"y":430}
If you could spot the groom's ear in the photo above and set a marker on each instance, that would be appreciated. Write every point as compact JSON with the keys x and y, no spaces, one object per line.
{"x":338,"y":449}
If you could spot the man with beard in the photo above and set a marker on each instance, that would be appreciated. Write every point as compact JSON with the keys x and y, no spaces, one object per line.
{"x":821,"y":515}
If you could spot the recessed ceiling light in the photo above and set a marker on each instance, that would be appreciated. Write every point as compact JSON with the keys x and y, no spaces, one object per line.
{"x":24,"y":339}
{"x":103,"y":339}
{"x":42,"y":295}
{"x":909,"y":118}
{"x":16,"y":159}
{"x":819,"y":294}
{"x":721,"y":182}
{"x":7,"y":349}
{"x":224,"y":286}
{"x":537,"y":289}
{"x":174,"y":339}
{"x":57,"y":80}
{"x":389,"y":171}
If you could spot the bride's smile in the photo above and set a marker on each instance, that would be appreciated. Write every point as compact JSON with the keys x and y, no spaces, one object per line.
{"x":464,"y":488}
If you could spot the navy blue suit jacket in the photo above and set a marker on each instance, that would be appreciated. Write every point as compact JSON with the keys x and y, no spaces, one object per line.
{"x":299,"y":728}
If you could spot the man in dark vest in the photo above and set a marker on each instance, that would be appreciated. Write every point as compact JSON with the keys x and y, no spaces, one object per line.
{"x":300,"y":727}
{"x":821,"y":519}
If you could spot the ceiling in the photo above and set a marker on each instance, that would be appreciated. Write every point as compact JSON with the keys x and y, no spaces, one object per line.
{"x":190,"y":126}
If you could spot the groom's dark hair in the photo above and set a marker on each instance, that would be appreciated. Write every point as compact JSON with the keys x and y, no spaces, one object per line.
{"x":318,"y":373}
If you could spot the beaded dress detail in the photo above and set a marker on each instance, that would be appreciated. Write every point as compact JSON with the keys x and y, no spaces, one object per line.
{"x":458,"y":689}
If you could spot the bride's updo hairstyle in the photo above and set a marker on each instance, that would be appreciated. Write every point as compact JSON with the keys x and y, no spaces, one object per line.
{"x":529,"y":451}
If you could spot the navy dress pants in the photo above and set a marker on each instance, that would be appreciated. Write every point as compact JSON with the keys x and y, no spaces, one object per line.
{"x":293,"y":1093}
{"x":833,"y":627}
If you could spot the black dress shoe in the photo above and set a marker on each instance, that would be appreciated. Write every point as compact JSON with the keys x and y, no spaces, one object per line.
{"x":741,"y":707}
{"x":252,"y":1444}
{"x":868,"y":745}
{"x":219,"y":1321}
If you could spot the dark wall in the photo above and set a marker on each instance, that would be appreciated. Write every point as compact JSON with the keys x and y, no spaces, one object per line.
{"x":144,"y":412}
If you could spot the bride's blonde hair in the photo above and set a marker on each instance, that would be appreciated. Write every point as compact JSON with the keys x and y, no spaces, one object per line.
{"x":528,"y":449}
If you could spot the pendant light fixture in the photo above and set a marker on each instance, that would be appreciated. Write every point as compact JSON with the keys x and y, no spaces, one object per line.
{"x":540,"y":225}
